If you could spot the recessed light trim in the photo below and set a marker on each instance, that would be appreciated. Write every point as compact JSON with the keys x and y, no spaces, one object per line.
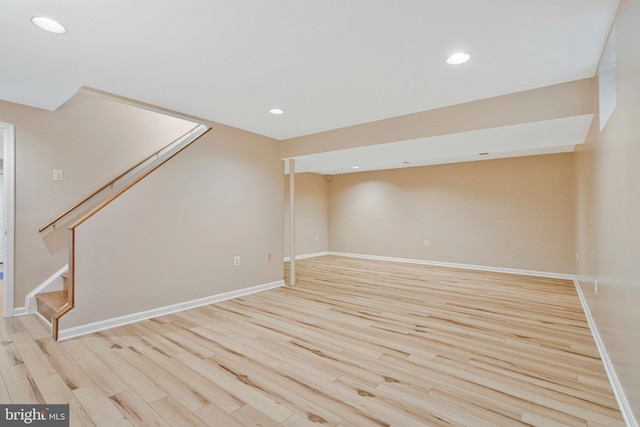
{"x":48,"y":24}
{"x":355,"y":167}
{"x":276,"y":111}
{"x":458,"y":58}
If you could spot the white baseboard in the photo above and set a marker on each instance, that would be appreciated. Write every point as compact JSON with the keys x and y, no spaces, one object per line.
{"x":288,"y":258}
{"x":29,"y":299}
{"x":462,"y":266}
{"x":618,"y":391}
{"x":20,"y":311}
{"x":76,"y":331}
{"x":47,"y":322}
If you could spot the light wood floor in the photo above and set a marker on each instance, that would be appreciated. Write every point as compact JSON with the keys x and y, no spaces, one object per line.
{"x":355,"y":343}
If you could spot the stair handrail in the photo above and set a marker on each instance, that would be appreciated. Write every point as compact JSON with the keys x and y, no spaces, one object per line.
{"x":119,"y":177}
{"x":72,"y":228}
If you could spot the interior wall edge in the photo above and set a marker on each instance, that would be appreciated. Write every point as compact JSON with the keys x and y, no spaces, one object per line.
{"x":618,"y":390}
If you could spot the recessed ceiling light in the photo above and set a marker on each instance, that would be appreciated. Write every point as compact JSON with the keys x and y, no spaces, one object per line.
{"x":355,"y":167}
{"x":458,"y":58}
{"x":276,"y":111}
{"x":48,"y":24}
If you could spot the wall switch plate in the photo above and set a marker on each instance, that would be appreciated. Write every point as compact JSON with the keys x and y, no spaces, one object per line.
{"x":426,"y":243}
{"x":58,"y":175}
{"x":236,"y":260}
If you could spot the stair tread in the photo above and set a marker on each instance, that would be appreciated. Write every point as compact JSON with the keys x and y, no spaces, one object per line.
{"x":55,"y":299}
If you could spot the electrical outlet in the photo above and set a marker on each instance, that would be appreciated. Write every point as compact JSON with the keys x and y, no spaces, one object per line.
{"x":236,"y":260}
{"x":426,"y":243}
{"x":595,"y":287}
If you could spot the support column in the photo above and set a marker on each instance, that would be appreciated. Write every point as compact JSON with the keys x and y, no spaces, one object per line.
{"x":292,"y":222}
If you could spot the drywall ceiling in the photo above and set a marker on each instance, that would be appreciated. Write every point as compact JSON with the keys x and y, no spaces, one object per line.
{"x":328,"y":64}
{"x":543,"y":137}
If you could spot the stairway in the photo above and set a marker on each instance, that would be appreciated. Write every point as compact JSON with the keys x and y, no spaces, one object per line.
{"x":49,"y":303}
{"x":53,"y":305}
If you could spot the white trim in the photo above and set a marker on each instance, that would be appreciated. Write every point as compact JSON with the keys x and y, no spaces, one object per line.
{"x":288,"y":258}
{"x":42,"y":318}
{"x":76,"y":331}
{"x":618,"y":391}
{"x":463,"y":266}
{"x":20,"y":311}
{"x":9,"y":149}
{"x":292,"y":222}
{"x":29,"y":299}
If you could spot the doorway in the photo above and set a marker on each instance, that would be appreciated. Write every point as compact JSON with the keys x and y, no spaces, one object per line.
{"x":7,"y":169}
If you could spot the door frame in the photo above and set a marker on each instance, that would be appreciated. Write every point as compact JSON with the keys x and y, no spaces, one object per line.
{"x":8,"y":138}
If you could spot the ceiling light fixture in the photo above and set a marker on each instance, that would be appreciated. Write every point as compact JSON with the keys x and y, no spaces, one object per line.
{"x":355,"y":167}
{"x":458,"y":58}
{"x":276,"y":111}
{"x":48,"y":24}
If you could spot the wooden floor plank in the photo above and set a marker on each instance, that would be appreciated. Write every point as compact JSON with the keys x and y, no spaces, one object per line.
{"x":65,"y":365}
{"x":136,"y":380}
{"x":4,"y":393}
{"x":9,"y":355}
{"x":166,"y":380}
{"x":53,"y":389}
{"x":100,"y":373}
{"x":99,"y":407}
{"x":35,"y":327}
{"x":136,"y":410}
{"x":354,"y":343}
{"x":175,"y":414}
{"x":213,"y":416}
{"x":20,"y":385}
{"x":78,"y":416}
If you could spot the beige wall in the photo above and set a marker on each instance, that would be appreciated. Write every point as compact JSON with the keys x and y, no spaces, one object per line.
{"x":311,"y":214}
{"x":172,"y":238}
{"x":514,"y":213}
{"x":608,"y":175}
{"x":92,"y":139}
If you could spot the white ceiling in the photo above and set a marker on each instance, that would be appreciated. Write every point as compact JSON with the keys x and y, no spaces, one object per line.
{"x":328,"y":64}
